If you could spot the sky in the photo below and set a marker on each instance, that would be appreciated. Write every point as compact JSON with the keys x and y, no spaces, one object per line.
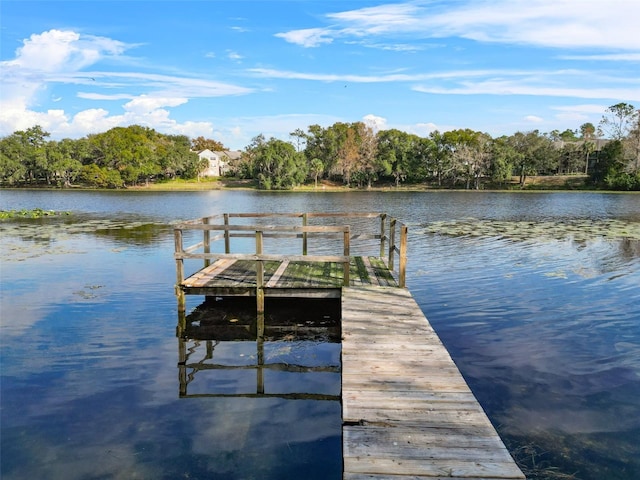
{"x":232,"y":69}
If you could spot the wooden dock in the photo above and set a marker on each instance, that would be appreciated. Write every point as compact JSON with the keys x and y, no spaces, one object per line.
{"x":298,"y":274}
{"x":407,"y":411}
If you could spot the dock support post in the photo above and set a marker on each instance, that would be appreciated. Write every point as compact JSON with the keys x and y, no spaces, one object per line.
{"x":347,"y":253}
{"x":182,"y":368}
{"x":305,"y":220}
{"x":259,"y":275}
{"x":260,"y":347}
{"x":383,"y":220}
{"x":177,"y":236}
{"x":392,"y":243}
{"x":206,"y":241}
{"x":227,"y":245}
{"x":402,"y":269}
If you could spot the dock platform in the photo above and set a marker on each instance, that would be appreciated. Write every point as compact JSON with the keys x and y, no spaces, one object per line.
{"x":407,"y":411}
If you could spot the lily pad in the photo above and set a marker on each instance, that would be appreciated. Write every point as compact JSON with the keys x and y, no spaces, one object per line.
{"x":579,"y":230}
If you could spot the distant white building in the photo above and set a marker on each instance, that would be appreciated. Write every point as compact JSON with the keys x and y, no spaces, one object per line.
{"x":218,"y":162}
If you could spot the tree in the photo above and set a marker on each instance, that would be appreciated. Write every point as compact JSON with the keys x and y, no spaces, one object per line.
{"x":276,"y":164}
{"x":395,"y":152}
{"x":348,"y":155}
{"x":632,"y":147}
{"x":535,"y":154}
{"x":609,"y":163}
{"x":470,"y":155}
{"x":323,"y":144}
{"x":200,"y":143}
{"x":63,"y":160}
{"x":587,"y":131}
{"x":568,"y":136}
{"x":619,"y":119}
{"x":33,"y":155}
{"x":315,"y":169}
{"x":366,"y":167}
{"x":503,"y":159}
{"x":300,"y":138}
{"x":587,"y":148}
{"x":440,"y":156}
{"x":12,"y":156}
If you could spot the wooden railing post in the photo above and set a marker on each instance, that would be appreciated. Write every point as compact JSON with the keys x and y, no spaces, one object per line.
{"x":206,"y":241}
{"x":392,"y":243}
{"x":177,"y":236}
{"x":305,"y":221}
{"x":227,"y":244}
{"x":347,"y":253}
{"x":383,"y":220}
{"x":259,"y":275}
{"x":402,"y":269}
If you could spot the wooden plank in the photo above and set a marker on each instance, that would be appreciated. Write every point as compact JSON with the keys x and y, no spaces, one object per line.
{"x":205,"y":275}
{"x":273,"y":281}
{"x":296,"y":273}
{"x":407,"y":410}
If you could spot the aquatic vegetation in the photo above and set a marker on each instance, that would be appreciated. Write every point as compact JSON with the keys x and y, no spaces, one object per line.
{"x":33,"y":213}
{"x":579,"y":230}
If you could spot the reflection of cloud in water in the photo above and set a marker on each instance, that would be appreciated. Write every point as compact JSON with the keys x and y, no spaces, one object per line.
{"x":264,"y":424}
{"x":546,"y":331}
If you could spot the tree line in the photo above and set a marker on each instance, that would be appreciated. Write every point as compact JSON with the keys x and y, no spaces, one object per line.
{"x":354,"y":154}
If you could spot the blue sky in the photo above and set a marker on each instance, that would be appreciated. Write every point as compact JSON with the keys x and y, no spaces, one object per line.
{"x":230,"y":70}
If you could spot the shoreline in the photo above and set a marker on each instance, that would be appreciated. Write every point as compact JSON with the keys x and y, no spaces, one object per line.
{"x":536,"y":184}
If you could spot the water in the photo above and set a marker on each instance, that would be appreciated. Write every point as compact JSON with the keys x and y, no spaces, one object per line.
{"x":535,"y":295}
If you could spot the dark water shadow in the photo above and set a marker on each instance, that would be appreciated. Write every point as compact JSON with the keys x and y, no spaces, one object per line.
{"x":295,"y":348}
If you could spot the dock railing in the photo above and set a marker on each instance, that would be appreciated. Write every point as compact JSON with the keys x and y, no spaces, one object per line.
{"x":391,"y":234}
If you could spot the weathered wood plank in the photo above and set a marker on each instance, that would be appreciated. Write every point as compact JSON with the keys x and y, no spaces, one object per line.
{"x":293,"y":273}
{"x":407,"y":410}
{"x":273,"y":281}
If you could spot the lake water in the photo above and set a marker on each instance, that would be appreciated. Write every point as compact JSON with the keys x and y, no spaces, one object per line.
{"x":536,"y":296}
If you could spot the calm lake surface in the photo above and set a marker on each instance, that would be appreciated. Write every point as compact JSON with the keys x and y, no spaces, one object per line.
{"x":536,"y":296}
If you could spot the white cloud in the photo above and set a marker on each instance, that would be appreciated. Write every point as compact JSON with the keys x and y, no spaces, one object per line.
{"x":392,"y":77}
{"x":551,"y":83}
{"x":234,"y":55}
{"x":375,"y":122}
{"x":511,"y":87}
{"x":58,"y":57}
{"x":533,"y":119}
{"x":309,"y":37}
{"x":145,"y":104}
{"x":585,"y":108}
{"x":102,"y":96}
{"x":58,"y":50}
{"x":547,"y":23}
{"x":611,"y":57}
{"x":578,"y":114}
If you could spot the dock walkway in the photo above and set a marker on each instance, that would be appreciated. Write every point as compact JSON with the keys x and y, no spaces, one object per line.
{"x":407,"y":411}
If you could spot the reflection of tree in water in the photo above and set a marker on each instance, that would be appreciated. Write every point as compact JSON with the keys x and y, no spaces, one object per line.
{"x":126,"y":230}
{"x":629,"y":248}
{"x":135,"y":233}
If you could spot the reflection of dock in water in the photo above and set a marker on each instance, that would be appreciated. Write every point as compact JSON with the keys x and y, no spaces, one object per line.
{"x":407,"y":412}
{"x":226,"y":342}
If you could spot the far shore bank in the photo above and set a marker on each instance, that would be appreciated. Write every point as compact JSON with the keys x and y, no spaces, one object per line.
{"x":563,"y":183}
{"x":551,"y":183}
